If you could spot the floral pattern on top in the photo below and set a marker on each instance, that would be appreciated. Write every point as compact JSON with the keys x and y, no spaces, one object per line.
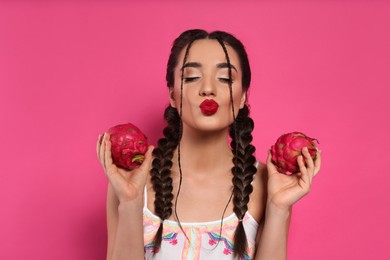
{"x":204,"y":239}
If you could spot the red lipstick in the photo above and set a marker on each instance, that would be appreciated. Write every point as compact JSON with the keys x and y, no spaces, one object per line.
{"x":209,"y":107}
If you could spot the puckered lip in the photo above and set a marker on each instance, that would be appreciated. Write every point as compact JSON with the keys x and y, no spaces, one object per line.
{"x":209,"y":107}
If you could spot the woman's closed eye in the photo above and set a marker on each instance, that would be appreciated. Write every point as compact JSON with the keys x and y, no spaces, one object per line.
{"x":226,"y":80}
{"x":190,"y":79}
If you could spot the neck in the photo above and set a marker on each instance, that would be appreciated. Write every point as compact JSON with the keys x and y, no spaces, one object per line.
{"x":205,"y":152}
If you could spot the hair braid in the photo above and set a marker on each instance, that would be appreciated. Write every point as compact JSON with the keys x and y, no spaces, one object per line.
{"x":243,"y":172}
{"x":243,"y":169}
{"x":161,"y":170}
{"x":163,"y":153}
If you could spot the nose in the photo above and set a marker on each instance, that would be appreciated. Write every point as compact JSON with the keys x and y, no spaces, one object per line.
{"x":207,"y":89}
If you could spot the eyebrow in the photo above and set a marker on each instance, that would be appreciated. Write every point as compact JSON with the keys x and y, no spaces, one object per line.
{"x":225,"y":65}
{"x":198,"y":65}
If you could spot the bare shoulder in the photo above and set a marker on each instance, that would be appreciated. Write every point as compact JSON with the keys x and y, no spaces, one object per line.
{"x":149,"y":190}
{"x":259,"y":195}
{"x":262,"y":173}
{"x":149,"y":183}
{"x":260,"y":179}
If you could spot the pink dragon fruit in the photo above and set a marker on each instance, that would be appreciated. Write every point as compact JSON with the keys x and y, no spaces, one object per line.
{"x":288,"y":147}
{"x":128,"y":145}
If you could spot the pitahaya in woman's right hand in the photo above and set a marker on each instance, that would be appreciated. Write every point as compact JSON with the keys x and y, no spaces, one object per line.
{"x":128,"y":146}
{"x":288,"y":147}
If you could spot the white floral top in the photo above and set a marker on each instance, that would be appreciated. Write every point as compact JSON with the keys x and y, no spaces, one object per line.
{"x":204,"y":240}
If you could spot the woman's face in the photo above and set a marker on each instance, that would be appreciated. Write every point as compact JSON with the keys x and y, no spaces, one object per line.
{"x":206,"y":77}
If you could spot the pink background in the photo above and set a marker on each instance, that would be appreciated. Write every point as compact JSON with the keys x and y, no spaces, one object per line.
{"x":71,"y":69}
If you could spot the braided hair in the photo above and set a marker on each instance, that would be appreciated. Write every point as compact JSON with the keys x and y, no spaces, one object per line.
{"x":240,"y":133}
{"x":161,"y":170}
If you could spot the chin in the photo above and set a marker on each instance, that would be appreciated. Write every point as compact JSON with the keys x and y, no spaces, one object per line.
{"x":210,"y":126}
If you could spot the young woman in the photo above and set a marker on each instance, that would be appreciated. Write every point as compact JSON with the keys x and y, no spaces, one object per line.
{"x":197,"y":196}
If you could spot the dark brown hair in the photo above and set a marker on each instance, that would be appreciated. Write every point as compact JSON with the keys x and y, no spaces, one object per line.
{"x":240,"y":133}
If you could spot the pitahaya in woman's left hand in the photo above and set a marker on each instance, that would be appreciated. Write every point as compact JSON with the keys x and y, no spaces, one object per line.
{"x":128,"y":145}
{"x":288,"y":147}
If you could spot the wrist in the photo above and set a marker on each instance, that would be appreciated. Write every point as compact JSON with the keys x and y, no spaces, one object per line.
{"x":276,"y":211}
{"x":133,"y":206}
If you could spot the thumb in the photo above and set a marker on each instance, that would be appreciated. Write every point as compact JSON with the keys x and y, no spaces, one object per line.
{"x":270,"y":166}
{"x":144,"y":167}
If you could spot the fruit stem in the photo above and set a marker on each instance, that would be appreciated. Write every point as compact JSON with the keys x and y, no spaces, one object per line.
{"x":315,"y":140}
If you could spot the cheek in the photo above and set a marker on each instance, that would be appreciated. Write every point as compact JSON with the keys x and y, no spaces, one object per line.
{"x":237,"y":96}
{"x":175,"y":95}
{"x":187,"y":100}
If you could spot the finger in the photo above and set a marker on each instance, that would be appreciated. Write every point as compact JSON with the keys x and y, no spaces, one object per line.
{"x":147,"y":160}
{"x":98,"y":144}
{"x":107,"y":151}
{"x":308,"y":159}
{"x":271,"y":168}
{"x":305,"y":177}
{"x":102,"y":151}
{"x":309,"y":163}
{"x":317,"y":162}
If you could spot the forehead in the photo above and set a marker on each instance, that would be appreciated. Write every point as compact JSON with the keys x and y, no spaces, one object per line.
{"x":209,"y":51}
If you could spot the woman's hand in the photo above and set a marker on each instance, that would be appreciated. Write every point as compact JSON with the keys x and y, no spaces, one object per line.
{"x":128,"y":185}
{"x":284,"y":190}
